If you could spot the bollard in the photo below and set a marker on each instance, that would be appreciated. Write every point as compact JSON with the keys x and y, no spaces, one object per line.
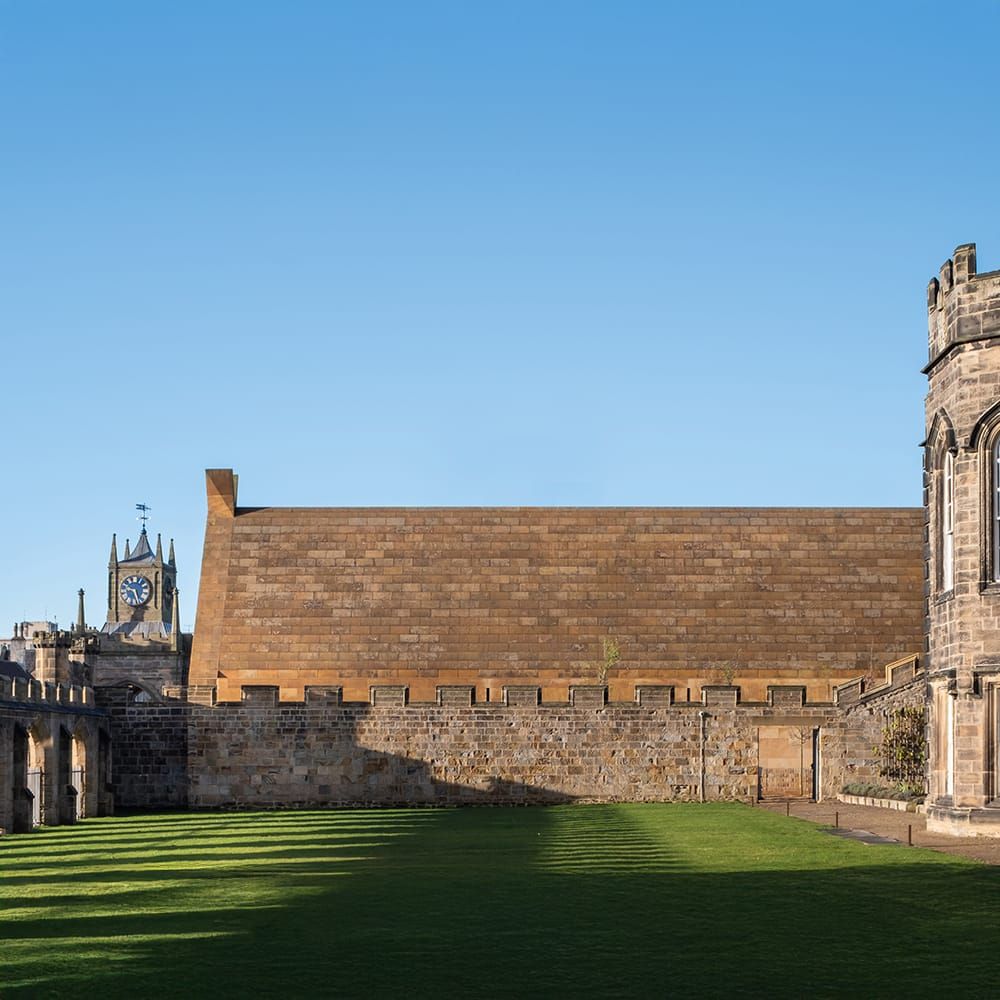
{"x":788,"y":808}
{"x":836,"y":820}
{"x":909,"y":834}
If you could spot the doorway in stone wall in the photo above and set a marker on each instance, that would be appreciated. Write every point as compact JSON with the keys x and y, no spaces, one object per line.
{"x":78,"y":776}
{"x":34,"y":776}
{"x":65,"y":795}
{"x":21,"y":807}
{"x":786,"y":762}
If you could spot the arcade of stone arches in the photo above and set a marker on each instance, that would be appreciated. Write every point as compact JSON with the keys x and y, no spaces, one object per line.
{"x":55,"y":767}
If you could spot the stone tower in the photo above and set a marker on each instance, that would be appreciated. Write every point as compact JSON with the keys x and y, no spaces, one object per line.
{"x":141,"y":589}
{"x":962,"y":501}
{"x":141,"y":645}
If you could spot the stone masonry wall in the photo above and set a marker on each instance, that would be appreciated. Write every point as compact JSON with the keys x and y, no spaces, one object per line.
{"x":963,"y":620}
{"x":858,"y":729}
{"x":67,"y":734}
{"x":150,"y":750}
{"x":151,"y":668}
{"x":309,"y":754}
{"x":265,"y":753}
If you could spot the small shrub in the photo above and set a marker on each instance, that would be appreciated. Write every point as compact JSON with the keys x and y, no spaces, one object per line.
{"x":874,"y":791}
{"x":903,"y":750}
{"x":611,"y":654}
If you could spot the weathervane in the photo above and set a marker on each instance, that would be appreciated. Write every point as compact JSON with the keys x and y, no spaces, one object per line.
{"x":143,"y":513}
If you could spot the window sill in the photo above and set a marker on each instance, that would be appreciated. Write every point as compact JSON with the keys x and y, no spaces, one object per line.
{"x":945,"y":597}
{"x":990,"y":589}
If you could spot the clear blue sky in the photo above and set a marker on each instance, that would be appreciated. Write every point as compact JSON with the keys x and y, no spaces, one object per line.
{"x":453,"y":253}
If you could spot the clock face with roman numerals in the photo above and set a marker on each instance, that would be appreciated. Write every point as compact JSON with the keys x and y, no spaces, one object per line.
{"x":135,"y":590}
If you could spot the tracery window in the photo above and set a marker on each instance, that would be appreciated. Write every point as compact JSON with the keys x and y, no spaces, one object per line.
{"x":948,"y":523}
{"x":995,"y":506}
{"x":984,"y":440}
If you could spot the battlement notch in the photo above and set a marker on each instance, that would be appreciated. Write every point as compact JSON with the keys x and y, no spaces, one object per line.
{"x":963,"y":306}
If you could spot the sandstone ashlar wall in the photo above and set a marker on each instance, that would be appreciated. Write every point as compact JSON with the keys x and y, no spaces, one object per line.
{"x":57,"y":731}
{"x":864,"y":712}
{"x":153,"y":667}
{"x":263,"y":753}
{"x":150,"y":768}
{"x":496,"y":597}
{"x":963,"y":620}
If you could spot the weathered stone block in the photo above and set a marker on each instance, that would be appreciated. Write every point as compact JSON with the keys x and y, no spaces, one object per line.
{"x":588,"y":695}
{"x":654,"y":695}
{"x":457,"y":695}
{"x":523,"y":695}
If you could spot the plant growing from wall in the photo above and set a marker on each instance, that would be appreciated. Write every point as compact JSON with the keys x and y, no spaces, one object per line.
{"x":726,"y":673}
{"x":903,"y":750}
{"x":611,"y":655}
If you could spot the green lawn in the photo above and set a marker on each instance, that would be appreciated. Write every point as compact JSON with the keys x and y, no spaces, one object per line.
{"x":629,"y":900}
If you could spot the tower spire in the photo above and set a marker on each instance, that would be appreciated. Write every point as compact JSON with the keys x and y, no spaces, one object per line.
{"x":159,"y":548}
{"x":126,"y":549}
{"x":175,"y":625}
{"x":81,"y":625}
{"x":114,"y":551}
{"x":170,"y":557}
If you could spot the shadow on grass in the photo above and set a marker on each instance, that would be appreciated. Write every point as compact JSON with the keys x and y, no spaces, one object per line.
{"x":603,"y":900}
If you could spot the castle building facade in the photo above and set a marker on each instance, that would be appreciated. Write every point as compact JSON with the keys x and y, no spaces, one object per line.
{"x":962,"y":502}
{"x":377,"y":656}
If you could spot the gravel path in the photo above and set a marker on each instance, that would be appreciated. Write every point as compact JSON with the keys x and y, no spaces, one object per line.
{"x":890,"y":823}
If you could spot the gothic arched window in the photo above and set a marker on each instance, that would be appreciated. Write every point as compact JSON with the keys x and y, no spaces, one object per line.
{"x":948,"y":522}
{"x":985,"y":442}
{"x":940,"y":459}
{"x":994,"y":481}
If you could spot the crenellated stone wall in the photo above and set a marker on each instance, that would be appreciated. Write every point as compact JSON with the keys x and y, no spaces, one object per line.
{"x":55,"y":755}
{"x":261,"y":752}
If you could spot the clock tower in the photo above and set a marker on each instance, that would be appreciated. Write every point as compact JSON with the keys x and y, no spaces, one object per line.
{"x":140,"y":649}
{"x":142,"y":590}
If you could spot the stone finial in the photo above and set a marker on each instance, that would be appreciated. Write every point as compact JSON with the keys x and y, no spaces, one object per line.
{"x":170,"y":557}
{"x":159,"y":548}
{"x":114,"y":551}
{"x":128,"y":551}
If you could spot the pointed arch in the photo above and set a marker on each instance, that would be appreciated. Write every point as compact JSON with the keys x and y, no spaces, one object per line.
{"x":941,"y":426}
{"x":38,"y":781}
{"x":987,"y":421}
{"x":137,"y":690}
{"x":940,"y":468}
{"x":983,"y":446}
{"x":988,"y":448}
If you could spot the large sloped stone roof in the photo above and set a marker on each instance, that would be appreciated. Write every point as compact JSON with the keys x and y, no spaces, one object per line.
{"x":295,"y":596}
